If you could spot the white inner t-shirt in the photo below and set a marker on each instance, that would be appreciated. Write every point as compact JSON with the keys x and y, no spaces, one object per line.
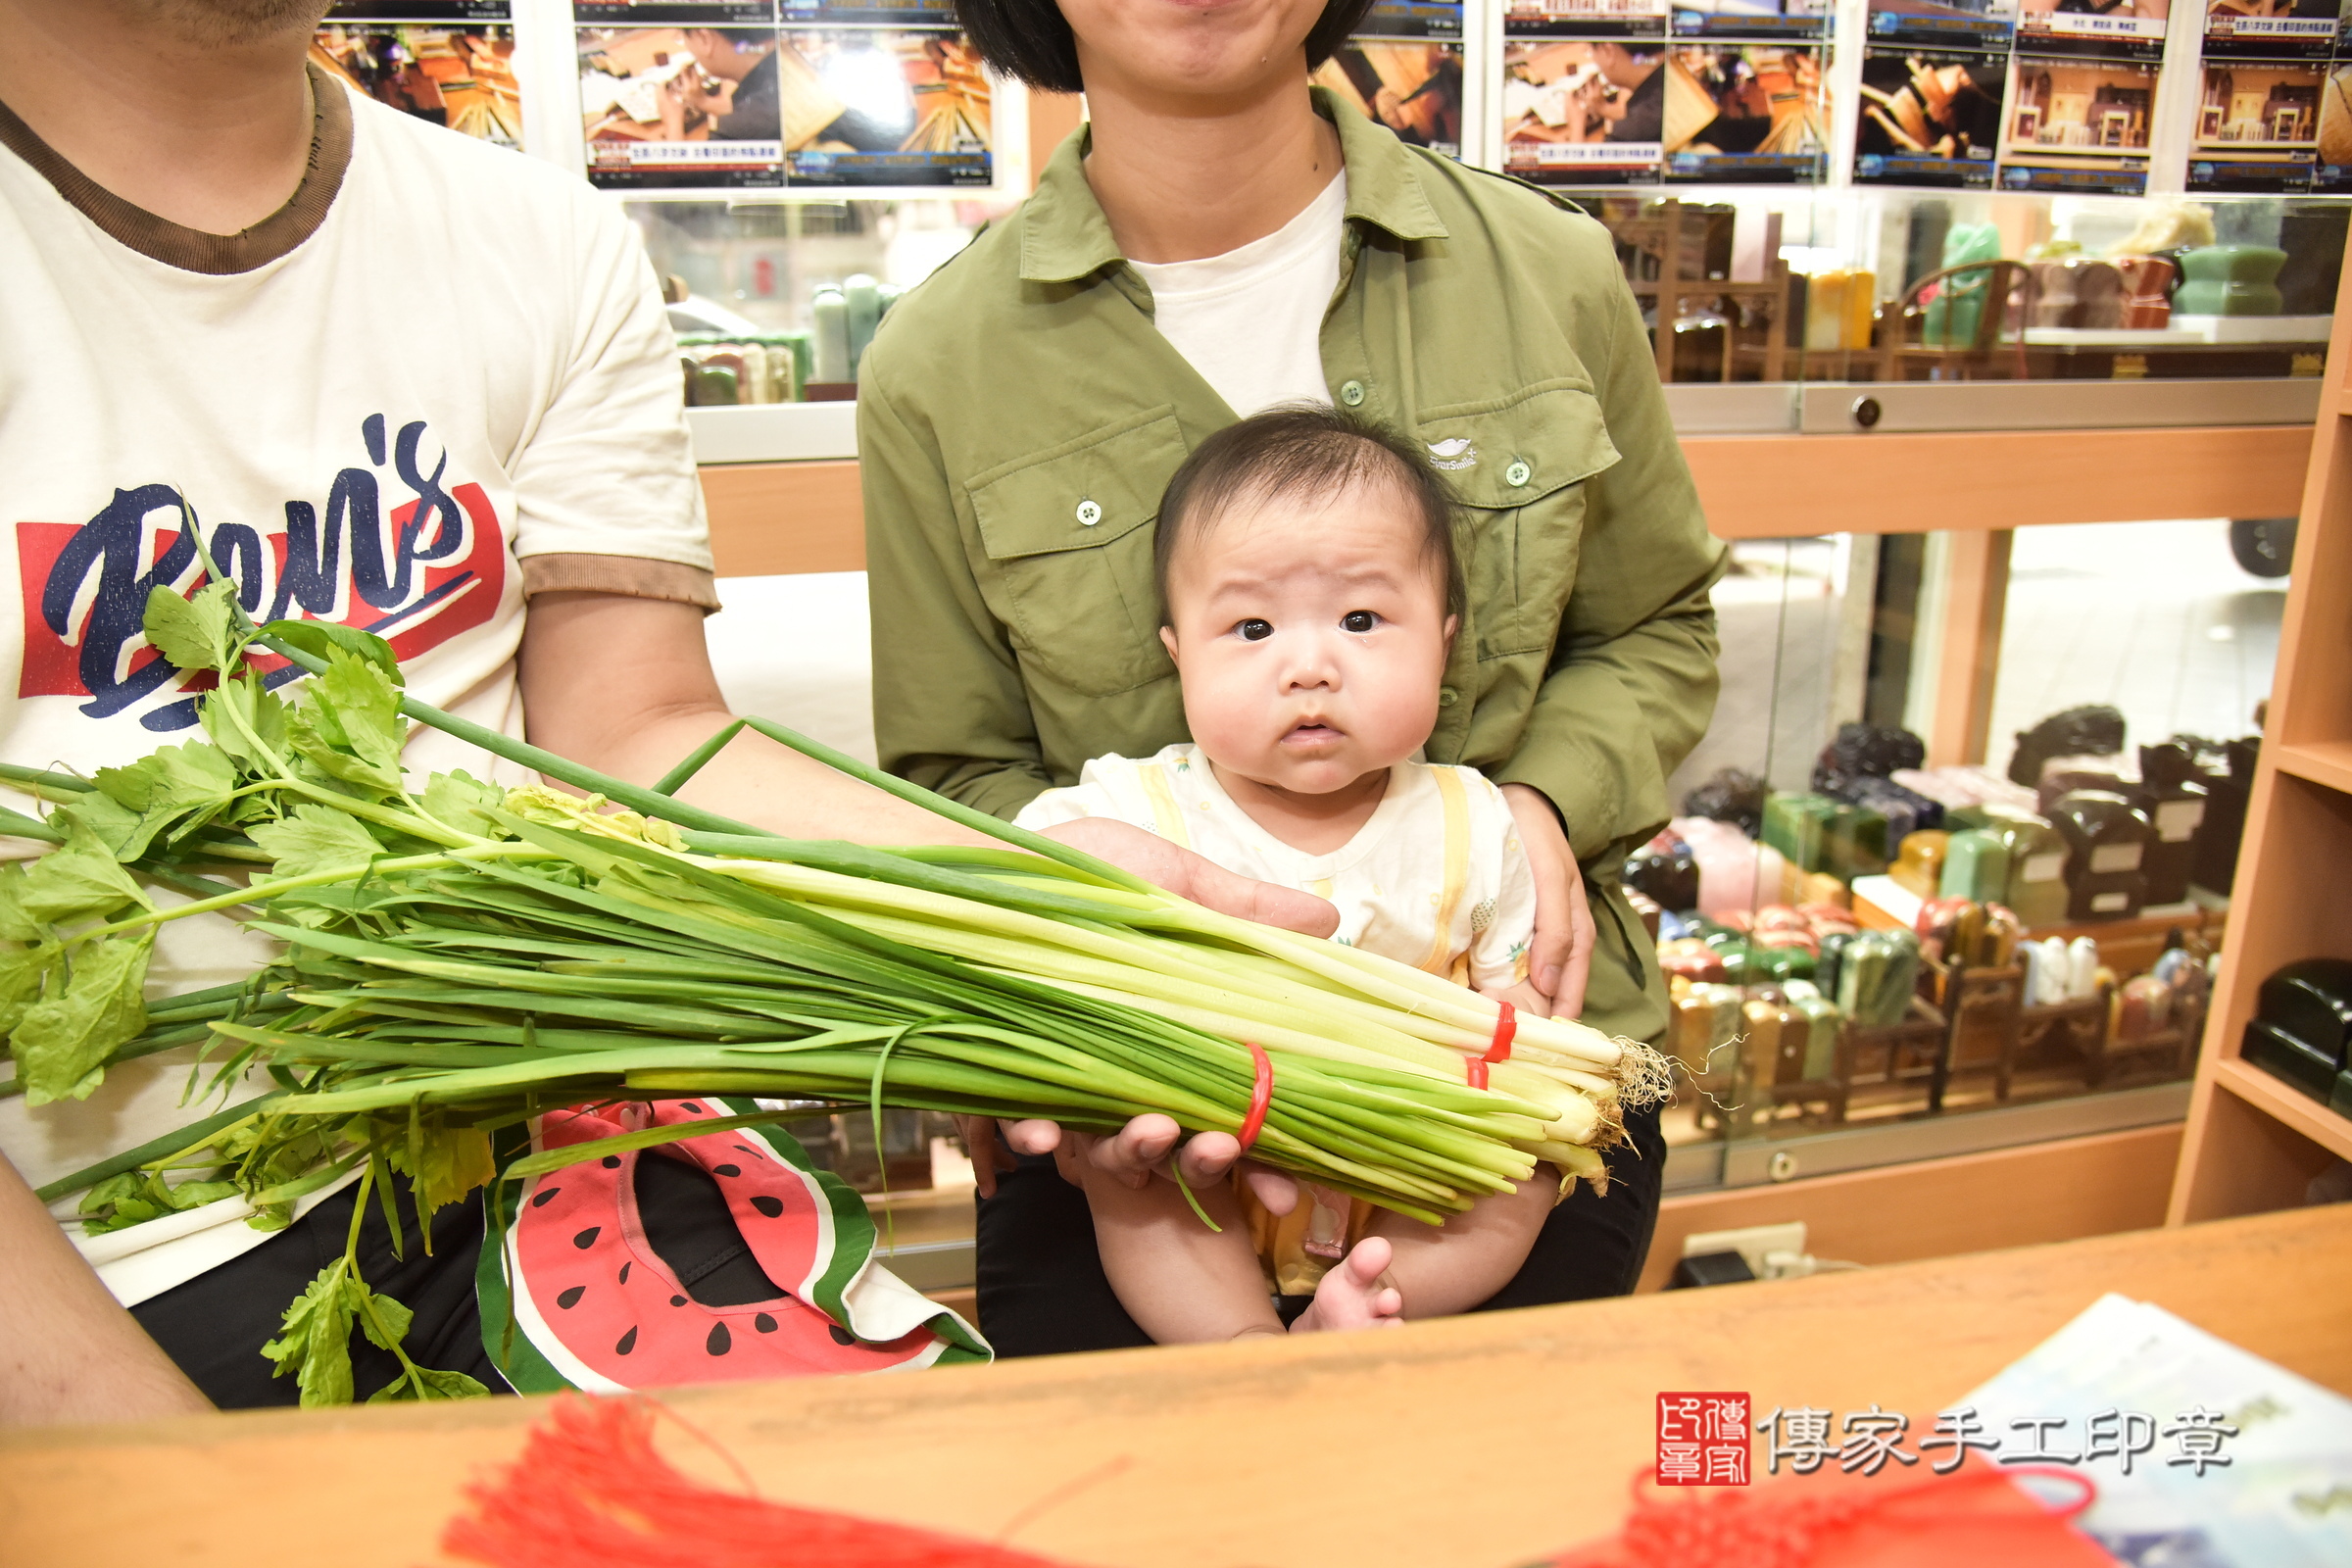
{"x":1251,"y":320}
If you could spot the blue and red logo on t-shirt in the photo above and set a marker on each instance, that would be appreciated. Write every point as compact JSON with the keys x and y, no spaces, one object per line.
{"x":407,"y":556}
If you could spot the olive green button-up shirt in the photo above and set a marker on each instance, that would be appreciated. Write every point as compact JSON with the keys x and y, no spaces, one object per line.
{"x":1019,"y":416}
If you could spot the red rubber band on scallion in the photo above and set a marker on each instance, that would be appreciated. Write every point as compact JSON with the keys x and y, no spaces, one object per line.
{"x":1506,"y":1030}
{"x":1261,"y":1095}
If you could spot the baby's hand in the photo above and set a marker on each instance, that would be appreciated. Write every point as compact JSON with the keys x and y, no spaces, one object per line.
{"x":1524,"y":996}
{"x":1351,"y":1296}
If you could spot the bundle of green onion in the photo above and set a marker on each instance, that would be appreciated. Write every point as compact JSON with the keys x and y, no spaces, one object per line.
{"x":460,"y":958}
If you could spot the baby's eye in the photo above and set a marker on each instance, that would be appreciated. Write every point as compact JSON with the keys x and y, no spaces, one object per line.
{"x":1360,"y":620}
{"x":1256,"y":631}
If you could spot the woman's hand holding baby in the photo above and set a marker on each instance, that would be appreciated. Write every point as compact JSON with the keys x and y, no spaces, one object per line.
{"x":1561,"y":954}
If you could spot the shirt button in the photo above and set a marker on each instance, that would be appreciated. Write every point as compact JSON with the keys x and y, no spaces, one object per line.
{"x":1518,"y":473}
{"x":1352,"y":393}
{"x":1090,"y":514}
{"x":1447,"y":696}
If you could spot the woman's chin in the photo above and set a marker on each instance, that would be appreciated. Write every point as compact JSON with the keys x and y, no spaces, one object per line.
{"x":1212,"y":50}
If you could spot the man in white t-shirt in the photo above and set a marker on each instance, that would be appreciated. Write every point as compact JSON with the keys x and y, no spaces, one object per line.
{"x":433,"y":384}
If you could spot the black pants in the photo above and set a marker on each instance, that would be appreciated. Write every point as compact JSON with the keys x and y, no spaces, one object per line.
{"x":1043,"y":1291}
{"x":214,"y":1325}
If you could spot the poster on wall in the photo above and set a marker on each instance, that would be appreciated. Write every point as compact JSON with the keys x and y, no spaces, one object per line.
{"x":664,"y":13}
{"x":1414,"y":87}
{"x":1763,"y":20}
{"x":867,"y":13}
{"x":444,"y":11}
{"x":1584,"y":111}
{"x":2078,"y":124}
{"x":692,"y":105}
{"x":1944,"y":24}
{"x":2258,"y":126}
{"x":883,"y":106}
{"x":2261,"y":112}
{"x":2271,"y":29}
{"x":1584,"y":18}
{"x":1412,"y":19}
{"x":450,"y":63}
{"x":2123,"y":29}
{"x":1928,"y":118}
{"x":1745,"y":115}
{"x":818,"y":95}
{"x":2333,"y":171}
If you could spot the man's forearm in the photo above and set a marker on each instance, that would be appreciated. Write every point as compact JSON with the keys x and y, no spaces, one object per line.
{"x":67,"y":1351}
{"x":767,"y":785}
{"x":625,"y":685}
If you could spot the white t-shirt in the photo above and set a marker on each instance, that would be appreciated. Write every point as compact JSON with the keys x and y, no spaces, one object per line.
{"x":460,"y":376}
{"x":1251,"y":320}
{"x":1435,"y":878}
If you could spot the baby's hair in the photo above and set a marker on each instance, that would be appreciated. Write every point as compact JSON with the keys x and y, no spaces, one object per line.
{"x":1304,"y":451}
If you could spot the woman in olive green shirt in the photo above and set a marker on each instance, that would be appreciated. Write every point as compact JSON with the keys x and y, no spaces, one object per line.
{"x":1021,"y":410}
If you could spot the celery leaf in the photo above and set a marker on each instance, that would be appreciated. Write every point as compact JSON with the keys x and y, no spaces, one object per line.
{"x":178,"y":787}
{"x":428,"y":1383}
{"x":323,"y":639}
{"x":77,"y":879}
{"x":62,"y":1044}
{"x":23,"y":971}
{"x":195,"y":633}
{"x":350,"y":725}
{"x":463,"y":801}
{"x":316,"y":838}
{"x":263,"y":713}
{"x":316,"y":1345}
{"x":17,"y":924}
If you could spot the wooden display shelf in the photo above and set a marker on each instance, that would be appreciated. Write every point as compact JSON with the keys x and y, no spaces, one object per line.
{"x":2251,"y":1142}
{"x":2327,"y":763}
{"x":2285,"y":1102}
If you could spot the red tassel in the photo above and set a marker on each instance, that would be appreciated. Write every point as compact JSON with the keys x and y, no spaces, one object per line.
{"x":590,"y":1492}
{"x":1920,"y":1522}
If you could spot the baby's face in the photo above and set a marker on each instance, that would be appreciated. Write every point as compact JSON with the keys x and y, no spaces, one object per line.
{"x":1311,"y":638}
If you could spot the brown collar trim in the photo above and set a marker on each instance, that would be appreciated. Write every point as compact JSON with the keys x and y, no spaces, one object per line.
{"x":192,"y":250}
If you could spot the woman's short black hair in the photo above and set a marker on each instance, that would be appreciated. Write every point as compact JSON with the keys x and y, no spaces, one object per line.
{"x":1308,"y":451}
{"x":1030,"y":40}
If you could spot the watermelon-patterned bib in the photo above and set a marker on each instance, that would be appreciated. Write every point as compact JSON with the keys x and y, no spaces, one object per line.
{"x":574,"y":1297}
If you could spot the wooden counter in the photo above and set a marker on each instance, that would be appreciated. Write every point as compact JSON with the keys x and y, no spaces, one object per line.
{"x":1475,"y":1443}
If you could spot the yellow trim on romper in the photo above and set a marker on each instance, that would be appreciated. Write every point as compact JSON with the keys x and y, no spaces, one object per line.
{"x":1457,"y":867}
{"x":1164,"y":814}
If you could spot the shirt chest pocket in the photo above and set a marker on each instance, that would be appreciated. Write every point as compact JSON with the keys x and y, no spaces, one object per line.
{"x":1067,"y":533}
{"x":1518,"y":466}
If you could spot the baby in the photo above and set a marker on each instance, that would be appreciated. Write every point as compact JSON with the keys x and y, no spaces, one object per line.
{"x":1308,"y":590}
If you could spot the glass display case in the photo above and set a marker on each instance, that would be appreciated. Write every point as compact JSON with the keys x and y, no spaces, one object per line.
{"x":1877,"y":953}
